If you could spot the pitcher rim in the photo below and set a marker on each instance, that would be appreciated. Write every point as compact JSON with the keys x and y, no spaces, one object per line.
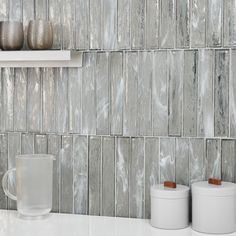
{"x":35,"y":156}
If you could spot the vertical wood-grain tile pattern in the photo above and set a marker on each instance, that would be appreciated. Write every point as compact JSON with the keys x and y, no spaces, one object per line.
{"x":152,"y":170}
{"x":54,"y":15}
{"x":175,"y":63}
{"x":130,"y":125}
{"x":4,"y":11}
{"x":80,"y":158}
{"x":8,"y":94}
{"x":123,"y":24}
{"x":34,"y":109}
{"x":160,"y":94}
{"x":94,"y":175}
{"x":232,"y":95}
{"x":229,"y":22}
{"x":123,"y":155}
{"x":108,"y":176}
{"x":145,"y":93}
{"x":40,"y":144}
{"x":27,"y":143}
{"x":214,"y":23}
{"x":102,"y":94}
{"x":88,"y":94}
{"x":28,"y":12}
{"x":14,"y":148}
{"x":49,"y":99}
{"x":61,"y":100}
{"x":190,"y":87}
{"x":136,"y":197}
{"x":41,"y":10}
{"x":182,"y":161}
{"x":197,"y":160}
{"x":82,"y":24}
{"x":137,"y":23}
{"x":182,"y":23}
{"x":205,"y":109}
{"x":15,"y":10}
{"x":213,"y":147}
{"x":167,"y":159}
{"x":152,"y":23}
{"x":167,"y":23}
{"x":109,"y":24}
{"x":54,"y":148}
{"x":66,"y":175}
{"x":198,"y":23}
{"x":2,"y":128}
{"x":68,"y":23}
{"x":20,"y":96}
{"x":228,"y":160}
{"x":3,"y":168}
{"x":117,"y":92}
{"x":75,"y":99}
{"x":221,"y":95}
{"x":95,"y":7}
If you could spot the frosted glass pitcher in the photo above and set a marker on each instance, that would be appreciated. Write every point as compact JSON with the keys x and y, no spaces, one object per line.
{"x":34,"y":177}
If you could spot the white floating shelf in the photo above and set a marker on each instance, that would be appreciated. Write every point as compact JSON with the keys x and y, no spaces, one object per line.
{"x":50,"y":58}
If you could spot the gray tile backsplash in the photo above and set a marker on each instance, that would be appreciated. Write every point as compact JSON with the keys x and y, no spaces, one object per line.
{"x":154,"y":101}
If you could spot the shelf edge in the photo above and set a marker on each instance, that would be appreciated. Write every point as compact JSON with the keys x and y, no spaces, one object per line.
{"x":75,"y":61}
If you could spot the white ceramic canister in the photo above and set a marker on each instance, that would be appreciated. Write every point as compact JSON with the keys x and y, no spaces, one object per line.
{"x":170,"y":207}
{"x":214,"y":207}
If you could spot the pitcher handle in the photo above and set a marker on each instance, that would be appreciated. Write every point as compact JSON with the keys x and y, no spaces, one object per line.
{"x":5,"y":184}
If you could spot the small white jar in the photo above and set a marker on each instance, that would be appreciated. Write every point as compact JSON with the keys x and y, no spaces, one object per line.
{"x":170,"y":207}
{"x":214,"y":207}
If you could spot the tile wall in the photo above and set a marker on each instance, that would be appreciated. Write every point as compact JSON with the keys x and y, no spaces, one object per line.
{"x":154,"y":101}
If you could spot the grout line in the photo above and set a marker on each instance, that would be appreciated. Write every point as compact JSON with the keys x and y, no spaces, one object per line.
{"x":222,"y":23}
{"x":87,"y":157}
{"x":115,"y":162}
{"x":229,"y":92}
{"x":221,"y":161}
{"x":174,"y":157}
{"x":123,"y":91}
{"x":144,"y":177}
{"x":152,"y":92}
{"x":167,"y":76}
{"x":205,"y":23}
{"x":73,"y":179}
{"x":81,"y":99}
{"x":43,"y":72}
{"x":190,"y":22}
{"x":213,"y":88}
{"x":159,"y":22}
{"x":159,"y":158}
{"x":109,"y":56}
{"x":129,"y":173}
{"x":59,"y":175}
{"x":158,"y":49}
{"x":196,"y":62}
{"x":120,"y":136}
{"x":101,"y":176}
{"x":182,"y":132}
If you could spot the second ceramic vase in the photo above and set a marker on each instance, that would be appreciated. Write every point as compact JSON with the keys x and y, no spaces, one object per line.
{"x":40,"y":35}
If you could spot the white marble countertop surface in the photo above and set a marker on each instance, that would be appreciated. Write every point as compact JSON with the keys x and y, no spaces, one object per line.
{"x":74,"y":225}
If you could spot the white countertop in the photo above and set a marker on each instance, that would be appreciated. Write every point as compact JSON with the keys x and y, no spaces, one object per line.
{"x":78,"y":225}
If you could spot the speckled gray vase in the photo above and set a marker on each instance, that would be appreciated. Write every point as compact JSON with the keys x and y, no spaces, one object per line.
{"x":11,"y":35}
{"x":40,"y":35}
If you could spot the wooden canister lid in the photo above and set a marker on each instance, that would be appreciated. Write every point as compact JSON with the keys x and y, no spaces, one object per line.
{"x":169,"y":184}
{"x":214,"y":181}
